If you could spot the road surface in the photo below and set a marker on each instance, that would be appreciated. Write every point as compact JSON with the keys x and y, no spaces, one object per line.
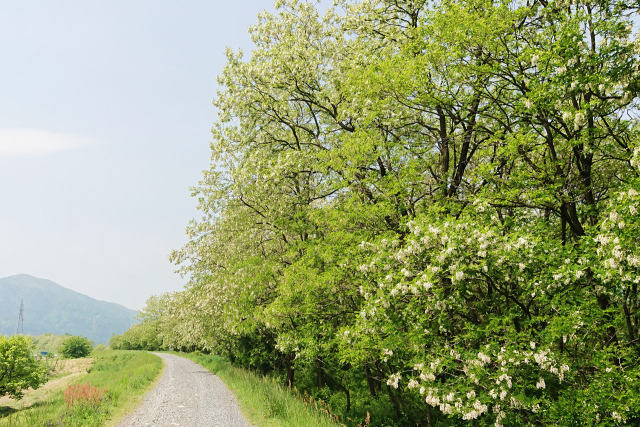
{"x":187,"y":395}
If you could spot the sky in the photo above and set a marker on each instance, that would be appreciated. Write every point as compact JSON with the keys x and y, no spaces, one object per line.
{"x":105,"y":117}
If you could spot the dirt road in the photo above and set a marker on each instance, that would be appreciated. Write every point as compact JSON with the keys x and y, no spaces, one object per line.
{"x":187,"y":395}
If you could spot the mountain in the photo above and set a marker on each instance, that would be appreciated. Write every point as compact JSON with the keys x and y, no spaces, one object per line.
{"x":50,"y":308}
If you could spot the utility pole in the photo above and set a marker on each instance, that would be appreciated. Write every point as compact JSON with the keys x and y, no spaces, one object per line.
{"x":20,"y":329}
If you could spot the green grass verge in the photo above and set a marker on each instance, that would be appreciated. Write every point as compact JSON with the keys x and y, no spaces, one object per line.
{"x":125,"y":375}
{"x":263,"y":401}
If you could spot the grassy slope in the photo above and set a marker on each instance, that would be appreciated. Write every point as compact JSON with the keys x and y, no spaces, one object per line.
{"x":126,"y":375}
{"x":263,"y":401}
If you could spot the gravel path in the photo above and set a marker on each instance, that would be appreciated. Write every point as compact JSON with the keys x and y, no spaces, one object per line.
{"x":187,"y":395}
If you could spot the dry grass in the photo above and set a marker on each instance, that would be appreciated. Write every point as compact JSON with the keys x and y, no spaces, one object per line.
{"x":124,"y":377}
{"x":66,"y":370}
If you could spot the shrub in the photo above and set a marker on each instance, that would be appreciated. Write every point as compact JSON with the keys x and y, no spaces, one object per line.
{"x":75,"y":347}
{"x":19,"y":369}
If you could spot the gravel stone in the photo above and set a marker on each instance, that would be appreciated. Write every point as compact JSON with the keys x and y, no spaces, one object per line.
{"x":187,"y":395}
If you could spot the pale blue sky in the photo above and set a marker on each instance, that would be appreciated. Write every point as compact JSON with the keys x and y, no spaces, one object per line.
{"x":105,"y":111}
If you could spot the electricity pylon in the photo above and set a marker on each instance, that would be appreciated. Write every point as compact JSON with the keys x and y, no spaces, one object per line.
{"x":20,"y":329}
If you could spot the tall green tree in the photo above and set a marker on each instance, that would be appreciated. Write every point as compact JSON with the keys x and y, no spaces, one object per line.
{"x":426,"y":207}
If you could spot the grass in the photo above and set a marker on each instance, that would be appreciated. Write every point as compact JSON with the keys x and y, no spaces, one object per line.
{"x":263,"y":401}
{"x":124,"y":375}
{"x":48,"y":342}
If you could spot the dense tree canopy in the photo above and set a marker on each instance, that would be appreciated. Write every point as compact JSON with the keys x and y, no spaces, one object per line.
{"x":428,"y":206}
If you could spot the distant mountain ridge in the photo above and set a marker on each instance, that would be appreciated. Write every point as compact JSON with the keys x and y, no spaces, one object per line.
{"x":51,"y":308}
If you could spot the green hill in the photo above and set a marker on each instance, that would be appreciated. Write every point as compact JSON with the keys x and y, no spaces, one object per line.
{"x":52,"y":309}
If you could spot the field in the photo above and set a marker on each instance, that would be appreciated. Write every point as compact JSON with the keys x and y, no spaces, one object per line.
{"x":120,"y":377}
{"x":48,"y":342}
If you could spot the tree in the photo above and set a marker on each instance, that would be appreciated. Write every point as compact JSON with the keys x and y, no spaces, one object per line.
{"x":76,"y":346}
{"x":435,"y":200}
{"x":19,"y":368}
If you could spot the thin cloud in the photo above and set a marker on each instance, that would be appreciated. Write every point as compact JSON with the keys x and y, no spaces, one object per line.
{"x":31,"y":142}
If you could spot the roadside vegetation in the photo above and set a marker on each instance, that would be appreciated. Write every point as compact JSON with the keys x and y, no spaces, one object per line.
{"x":104,"y":392}
{"x":424,"y":211}
{"x":263,"y":399}
{"x":19,"y":367}
{"x":74,"y":347}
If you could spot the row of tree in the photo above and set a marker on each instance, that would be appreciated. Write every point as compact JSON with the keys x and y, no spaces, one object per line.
{"x":428,"y":207}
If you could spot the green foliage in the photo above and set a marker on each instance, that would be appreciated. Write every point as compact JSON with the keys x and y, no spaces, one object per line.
{"x":19,"y":368}
{"x":263,"y":400}
{"x":125,"y":376}
{"x":147,"y":334}
{"x":430,"y":208}
{"x":74,"y":347}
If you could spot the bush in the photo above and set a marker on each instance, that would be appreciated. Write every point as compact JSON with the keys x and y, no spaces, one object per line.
{"x":75,"y":347}
{"x":19,"y":369}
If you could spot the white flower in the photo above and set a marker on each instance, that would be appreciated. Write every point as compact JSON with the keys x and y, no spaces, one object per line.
{"x":427,"y":377}
{"x":432,"y":400}
{"x":472,"y":415}
{"x":617,"y":252}
{"x":578,"y":121}
{"x":566,"y":116}
{"x":633,"y":260}
{"x":540,"y":384}
{"x":540,"y":357}
{"x":484,"y":358}
{"x":446,"y":408}
{"x":412,"y":384}
{"x":503,"y":394}
{"x":532,"y":345}
{"x":393,"y":380}
{"x":459,"y":275}
{"x":534,"y":59}
{"x":504,"y":377}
